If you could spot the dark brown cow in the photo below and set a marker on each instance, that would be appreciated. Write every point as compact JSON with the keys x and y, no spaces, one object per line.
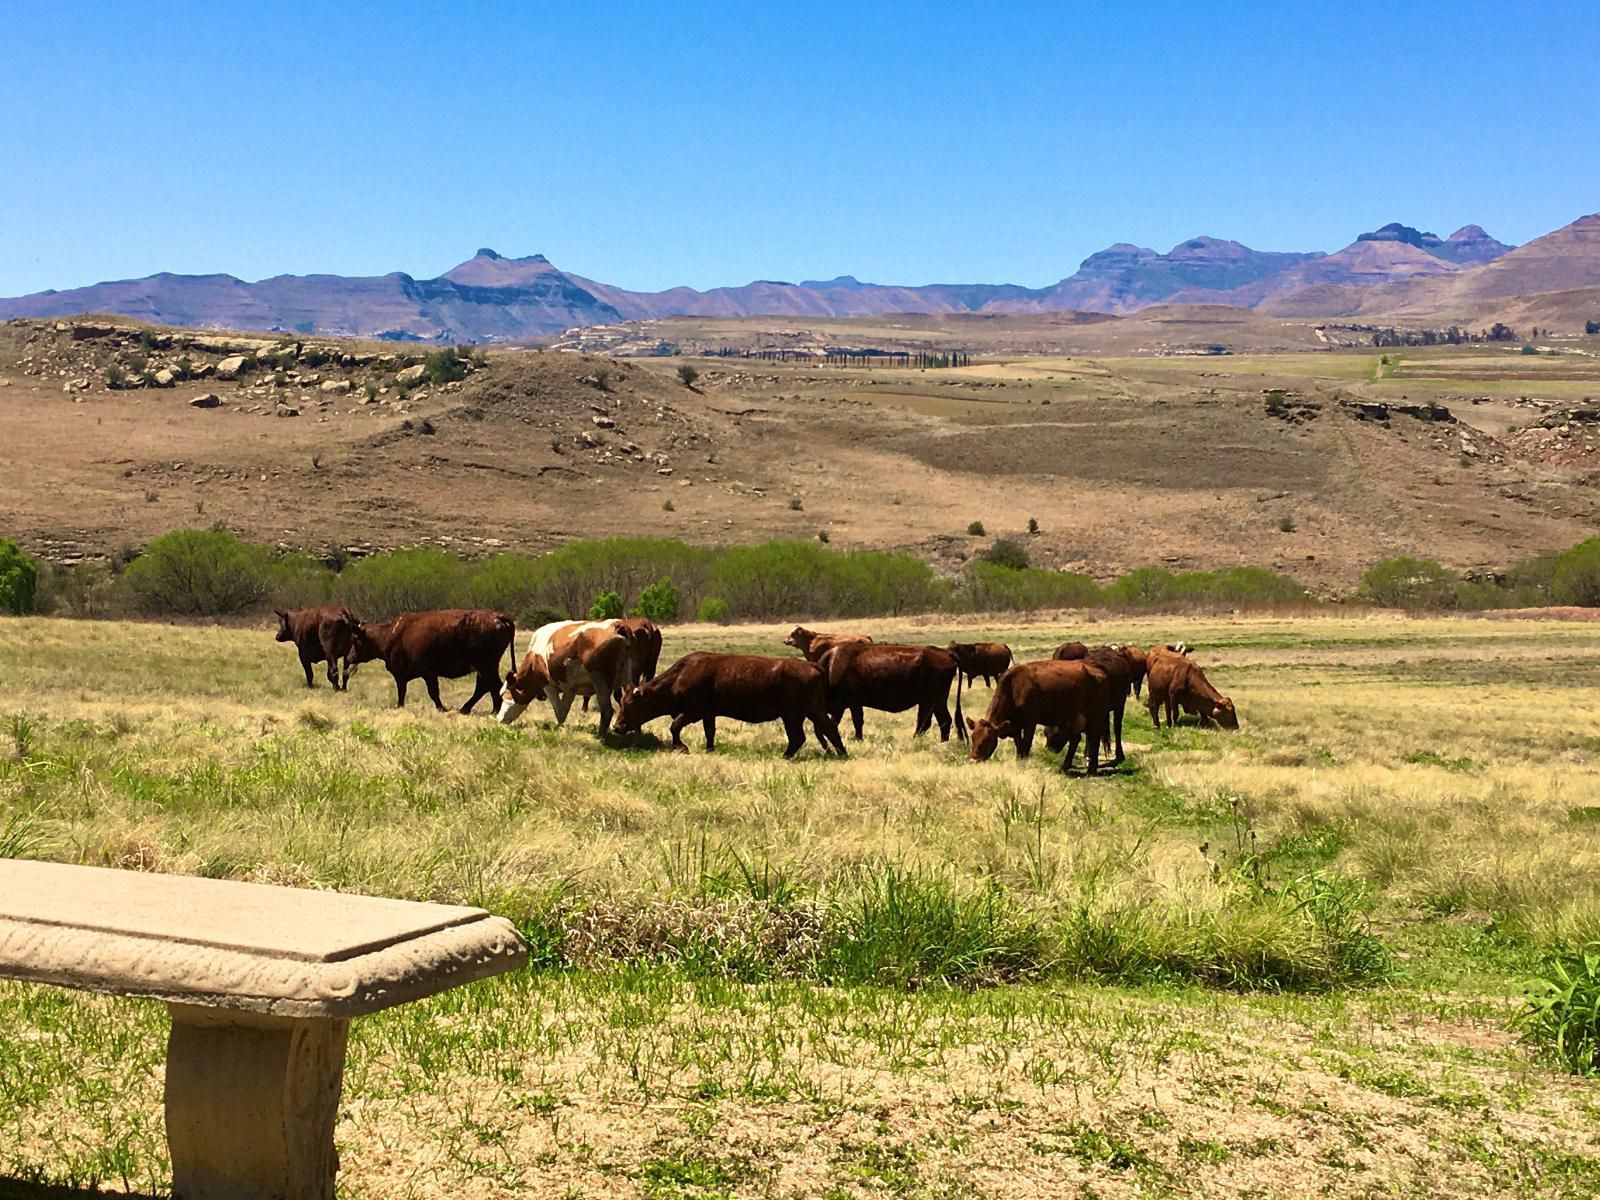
{"x":443,"y":644}
{"x":986,"y":659}
{"x":1068,"y":696}
{"x":1070,"y":652}
{"x":864,"y":675}
{"x":744,"y":687}
{"x":322,"y":634}
{"x":1178,"y":682}
{"x":646,"y":636}
{"x":1124,"y":667}
{"x":814,"y":645}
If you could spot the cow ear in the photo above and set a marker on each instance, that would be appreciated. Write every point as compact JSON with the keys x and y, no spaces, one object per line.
{"x":1004,"y":729}
{"x":971,"y":724}
{"x":282,"y":616}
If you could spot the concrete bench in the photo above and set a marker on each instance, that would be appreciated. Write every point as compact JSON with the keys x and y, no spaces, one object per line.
{"x":261,"y":983}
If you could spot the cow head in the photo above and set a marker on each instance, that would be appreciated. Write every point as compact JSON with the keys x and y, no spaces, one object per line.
{"x":284,"y":632}
{"x":630,"y":716}
{"x":986,"y":735}
{"x":527,"y":683}
{"x":800,"y":638}
{"x":1224,"y":714}
{"x":364,"y":646}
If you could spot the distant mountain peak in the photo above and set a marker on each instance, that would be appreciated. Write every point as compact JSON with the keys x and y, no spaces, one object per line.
{"x":485,"y":252}
{"x":1396,"y":232}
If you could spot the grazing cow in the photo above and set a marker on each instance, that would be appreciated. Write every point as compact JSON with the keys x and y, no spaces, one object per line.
{"x":1124,"y":667}
{"x":568,"y":659}
{"x":322,"y":634}
{"x":745,"y":687}
{"x":814,"y":645}
{"x":1070,"y":652}
{"x":865,"y":675}
{"x":1178,"y":682}
{"x":988,"y":659}
{"x":444,"y":644}
{"x":1071,"y":697}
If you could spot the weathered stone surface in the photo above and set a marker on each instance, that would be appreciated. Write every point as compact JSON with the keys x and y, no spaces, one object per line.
{"x":165,"y":377}
{"x":336,"y":386}
{"x":206,"y":400}
{"x":411,"y":374}
{"x":253,"y":947}
{"x":231,"y":367}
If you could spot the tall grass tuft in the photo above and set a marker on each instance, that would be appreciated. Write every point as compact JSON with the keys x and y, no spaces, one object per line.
{"x":1563,"y":1013}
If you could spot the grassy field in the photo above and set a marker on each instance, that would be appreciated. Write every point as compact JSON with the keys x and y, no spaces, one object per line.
{"x":1279,"y":962}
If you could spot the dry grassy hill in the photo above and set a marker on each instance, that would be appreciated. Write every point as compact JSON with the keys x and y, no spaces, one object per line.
{"x":1123,"y":460}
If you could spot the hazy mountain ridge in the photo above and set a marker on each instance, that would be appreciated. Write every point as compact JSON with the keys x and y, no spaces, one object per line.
{"x":491,"y":297}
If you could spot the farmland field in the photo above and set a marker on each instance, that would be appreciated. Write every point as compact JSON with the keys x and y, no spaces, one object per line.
{"x":1280,"y":962}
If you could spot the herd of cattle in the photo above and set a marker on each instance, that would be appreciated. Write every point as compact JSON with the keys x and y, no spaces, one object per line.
{"x":1078,"y":694}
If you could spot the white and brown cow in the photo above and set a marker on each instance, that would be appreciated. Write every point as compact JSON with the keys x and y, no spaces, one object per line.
{"x":568,"y":659}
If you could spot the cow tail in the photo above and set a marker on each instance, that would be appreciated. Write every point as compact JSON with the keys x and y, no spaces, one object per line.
{"x":961,"y":721}
{"x":512,"y":649}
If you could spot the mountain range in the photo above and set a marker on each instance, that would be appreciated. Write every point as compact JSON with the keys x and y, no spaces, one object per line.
{"x":1394,"y":270}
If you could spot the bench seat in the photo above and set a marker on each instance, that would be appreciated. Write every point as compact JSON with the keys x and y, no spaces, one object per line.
{"x":261,"y":982}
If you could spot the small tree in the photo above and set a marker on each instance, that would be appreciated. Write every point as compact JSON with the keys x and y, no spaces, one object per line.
{"x":713,"y":610}
{"x":198,"y":572}
{"x":607,"y":606}
{"x":1408,"y":583}
{"x":1577,"y":575}
{"x":659,"y":602}
{"x":687,"y":375}
{"x":1007,"y":553}
{"x":19,"y":579}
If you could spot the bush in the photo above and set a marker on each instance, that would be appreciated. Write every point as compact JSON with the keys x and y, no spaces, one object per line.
{"x":198,"y":572}
{"x":299,"y":581}
{"x":1563,"y":1013}
{"x":987,"y":587}
{"x":1529,"y":349}
{"x":1142,"y":587}
{"x":19,"y":579}
{"x":1033,"y":525}
{"x":1408,"y":583}
{"x":1576,"y":578}
{"x":658,"y":602}
{"x":412,"y":580}
{"x":445,"y":366}
{"x":713,"y":610}
{"x":801,"y":579}
{"x":687,"y":375}
{"x":607,"y":606}
{"x":975,"y":529}
{"x":87,"y":589}
{"x":1008,"y":554}
{"x":1286,"y":523}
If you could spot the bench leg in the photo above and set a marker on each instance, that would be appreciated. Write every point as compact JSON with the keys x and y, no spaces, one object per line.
{"x":251,"y":1103}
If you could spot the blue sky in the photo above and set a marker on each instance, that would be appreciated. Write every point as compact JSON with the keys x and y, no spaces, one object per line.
{"x":654,"y":145}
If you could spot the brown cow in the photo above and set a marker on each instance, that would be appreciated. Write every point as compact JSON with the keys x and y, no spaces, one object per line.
{"x":892,"y":678}
{"x":744,"y":687}
{"x":567,"y":659}
{"x":988,"y":659}
{"x":1124,"y":667}
{"x":646,"y":645}
{"x":1070,"y":652}
{"x":1071,"y":697}
{"x":322,"y":634}
{"x":444,"y":644}
{"x":814,"y":645}
{"x":1178,"y":682}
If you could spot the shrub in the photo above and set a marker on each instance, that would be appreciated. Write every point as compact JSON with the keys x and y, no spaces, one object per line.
{"x":975,"y":529}
{"x":1408,"y":583}
{"x":1007,"y":553}
{"x":607,"y":606}
{"x":713,"y":610}
{"x":412,"y":580}
{"x":602,"y":378}
{"x":19,"y":579}
{"x":1576,"y":578}
{"x":87,"y":589}
{"x":445,"y":366}
{"x":1033,"y":525}
{"x":668,"y":506}
{"x":796,"y":504}
{"x":299,"y":581}
{"x":659,"y":602}
{"x":687,"y":375}
{"x":986,"y":587}
{"x":1562,"y":1016}
{"x":793,"y":578}
{"x":1529,"y":349}
{"x":198,"y":572}
{"x":824,"y":536}
{"x":1286,"y":523}
{"x":1142,"y":586}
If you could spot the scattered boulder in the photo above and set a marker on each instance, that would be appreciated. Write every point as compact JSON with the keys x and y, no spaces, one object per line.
{"x":206,"y":400}
{"x":339,"y":387}
{"x":287,"y":410}
{"x":231,"y":367}
{"x":165,"y":377}
{"x":604,"y":422}
{"x":411,"y":374}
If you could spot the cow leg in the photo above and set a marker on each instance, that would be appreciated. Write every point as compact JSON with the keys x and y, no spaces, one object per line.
{"x":1092,"y":749}
{"x":400,"y":691}
{"x":942,"y":715}
{"x":859,"y":716}
{"x":1072,"y":749}
{"x":478,"y":692}
{"x":678,"y":724}
{"x":1116,"y":718}
{"x":795,"y":727}
{"x":1154,"y":706}
{"x":433,"y":691}
{"x":603,"y":699}
{"x":561,"y":702}
{"x":1024,"y":741}
{"x":1172,"y":712}
{"x":709,"y":722}
{"x":305,"y":665}
{"x":924,"y":720}
{"x":827,"y":731}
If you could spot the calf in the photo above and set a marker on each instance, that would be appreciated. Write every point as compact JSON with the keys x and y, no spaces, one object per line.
{"x":1124,"y":667}
{"x":443,"y":644}
{"x":814,"y":645}
{"x":322,"y":634}
{"x":988,"y":659}
{"x":1071,"y":697}
{"x":567,"y":659}
{"x":1178,"y":682}
{"x":865,"y":675}
{"x":744,"y":687}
